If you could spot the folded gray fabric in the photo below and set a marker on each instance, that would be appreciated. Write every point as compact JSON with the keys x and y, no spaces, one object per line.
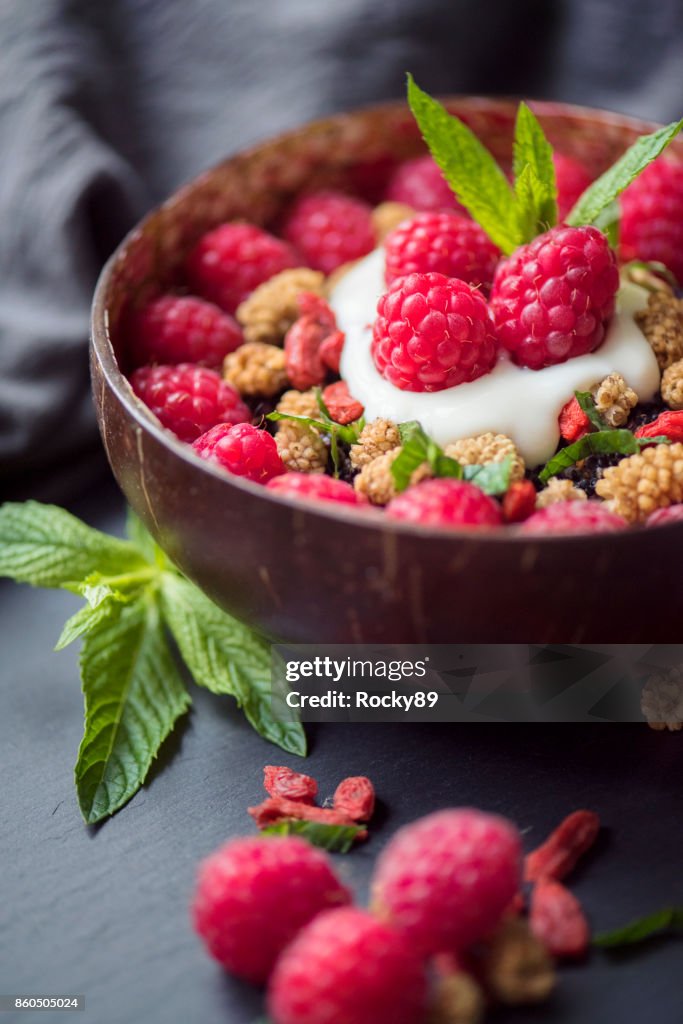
{"x":107,"y":106}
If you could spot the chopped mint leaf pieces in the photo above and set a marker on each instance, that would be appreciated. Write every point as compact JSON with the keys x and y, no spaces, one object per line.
{"x":587,"y":405}
{"x":474,"y":176}
{"x":133,"y":696}
{"x":535,"y":182}
{"x":348,"y":433}
{"x":492,"y":478}
{"x":612,"y":183}
{"x":670,"y":919}
{"x":334,"y":838}
{"x":602,"y":442}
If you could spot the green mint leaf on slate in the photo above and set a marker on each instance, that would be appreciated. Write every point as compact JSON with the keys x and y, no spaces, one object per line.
{"x":587,"y":405}
{"x":492,"y":478}
{"x":133,"y":696}
{"x":669,"y":919}
{"x":227,"y":658}
{"x":334,"y":838}
{"x":48,"y":547}
{"x":602,"y":442}
{"x":416,"y":448}
{"x":534,"y":170}
{"x":626,"y":169}
{"x":472,"y":173}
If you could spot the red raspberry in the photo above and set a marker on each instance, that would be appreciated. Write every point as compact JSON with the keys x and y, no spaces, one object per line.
{"x":447,"y":879}
{"x":572,"y":181}
{"x":419,"y":183}
{"x":447,"y":502}
{"x":254,"y":895}
{"x":315,"y":486}
{"x":444,"y":243}
{"x":553,"y":298}
{"x":188,"y":399}
{"x":229,"y":262}
{"x":663,"y":516}
{"x":330,"y":228}
{"x":573,"y":421}
{"x":432,"y":332}
{"x":348,"y":968}
{"x":573,"y":517}
{"x":652,"y":216}
{"x":243,"y":450}
{"x":183,"y":329}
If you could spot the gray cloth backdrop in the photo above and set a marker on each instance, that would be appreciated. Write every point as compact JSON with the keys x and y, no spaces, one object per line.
{"x":107,"y":105}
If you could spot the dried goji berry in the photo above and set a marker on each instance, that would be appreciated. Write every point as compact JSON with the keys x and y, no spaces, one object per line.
{"x":318,"y":309}
{"x":303,"y":360}
{"x":556,"y":857}
{"x":331,"y":350}
{"x":281,"y":781}
{"x":557,"y":920}
{"x":342,"y":407}
{"x":355,"y":797}
{"x":667,"y":424}
{"x":574,"y":422}
{"x":277,"y":808}
{"x":519,"y":501}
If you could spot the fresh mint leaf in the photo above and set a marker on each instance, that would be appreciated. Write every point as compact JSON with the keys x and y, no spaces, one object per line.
{"x":143,"y":540}
{"x":334,"y":838}
{"x":133,"y":697}
{"x":472,"y":173}
{"x":87,"y":618}
{"x":534,"y":170}
{"x":608,"y":221}
{"x":48,"y":547}
{"x":491,"y":478}
{"x":670,"y":919}
{"x":227,"y":658}
{"x":416,"y":448}
{"x":602,"y":442}
{"x":587,"y":405}
{"x":626,"y":169}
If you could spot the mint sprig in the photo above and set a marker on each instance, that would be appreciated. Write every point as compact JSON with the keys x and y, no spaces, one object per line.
{"x":670,"y":919}
{"x":334,"y":838}
{"x":133,"y":690}
{"x":417,"y":447}
{"x":612,"y":183}
{"x":602,"y":442}
{"x":534,"y":170}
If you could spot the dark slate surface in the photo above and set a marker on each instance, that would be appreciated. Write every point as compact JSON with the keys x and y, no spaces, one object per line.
{"x":103,"y":911}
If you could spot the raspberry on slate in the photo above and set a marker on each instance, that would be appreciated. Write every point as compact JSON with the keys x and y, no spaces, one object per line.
{"x":572,"y":181}
{"x":254,"y":895}
{"x":347,"y":967}
{"x":314,"y":486}
{"x":432,"y":332}
{"x":553,"y":298}
{"x":188,"y":399}
{"x":330,"y":228}
{"x":445,"y":243}
{"x":243,"y":450}
{"x":446,"y":502}
{"x":652,"y":216}
{"x":447,"y":879}
{"x":183,"y":329}
{"x":573,"y":517}
{"x":228,"y":263}
{"x":419,"y":183}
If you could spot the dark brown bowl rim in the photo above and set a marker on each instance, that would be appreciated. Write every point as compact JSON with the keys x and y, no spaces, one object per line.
{"x":334,"y":511}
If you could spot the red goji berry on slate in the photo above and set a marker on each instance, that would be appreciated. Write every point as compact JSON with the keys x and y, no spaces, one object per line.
{"x":558,"y":855}
{"x":355,"y":797}
{"x":281,"y":781}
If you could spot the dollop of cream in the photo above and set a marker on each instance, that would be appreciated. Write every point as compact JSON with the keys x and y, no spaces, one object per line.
{"x":512,"y":400}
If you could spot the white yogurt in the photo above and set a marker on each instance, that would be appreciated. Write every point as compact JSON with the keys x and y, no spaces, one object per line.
{"x":512,"y":400}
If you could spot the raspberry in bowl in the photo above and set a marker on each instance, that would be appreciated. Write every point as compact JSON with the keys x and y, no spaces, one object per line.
{"x":320,"y":507}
